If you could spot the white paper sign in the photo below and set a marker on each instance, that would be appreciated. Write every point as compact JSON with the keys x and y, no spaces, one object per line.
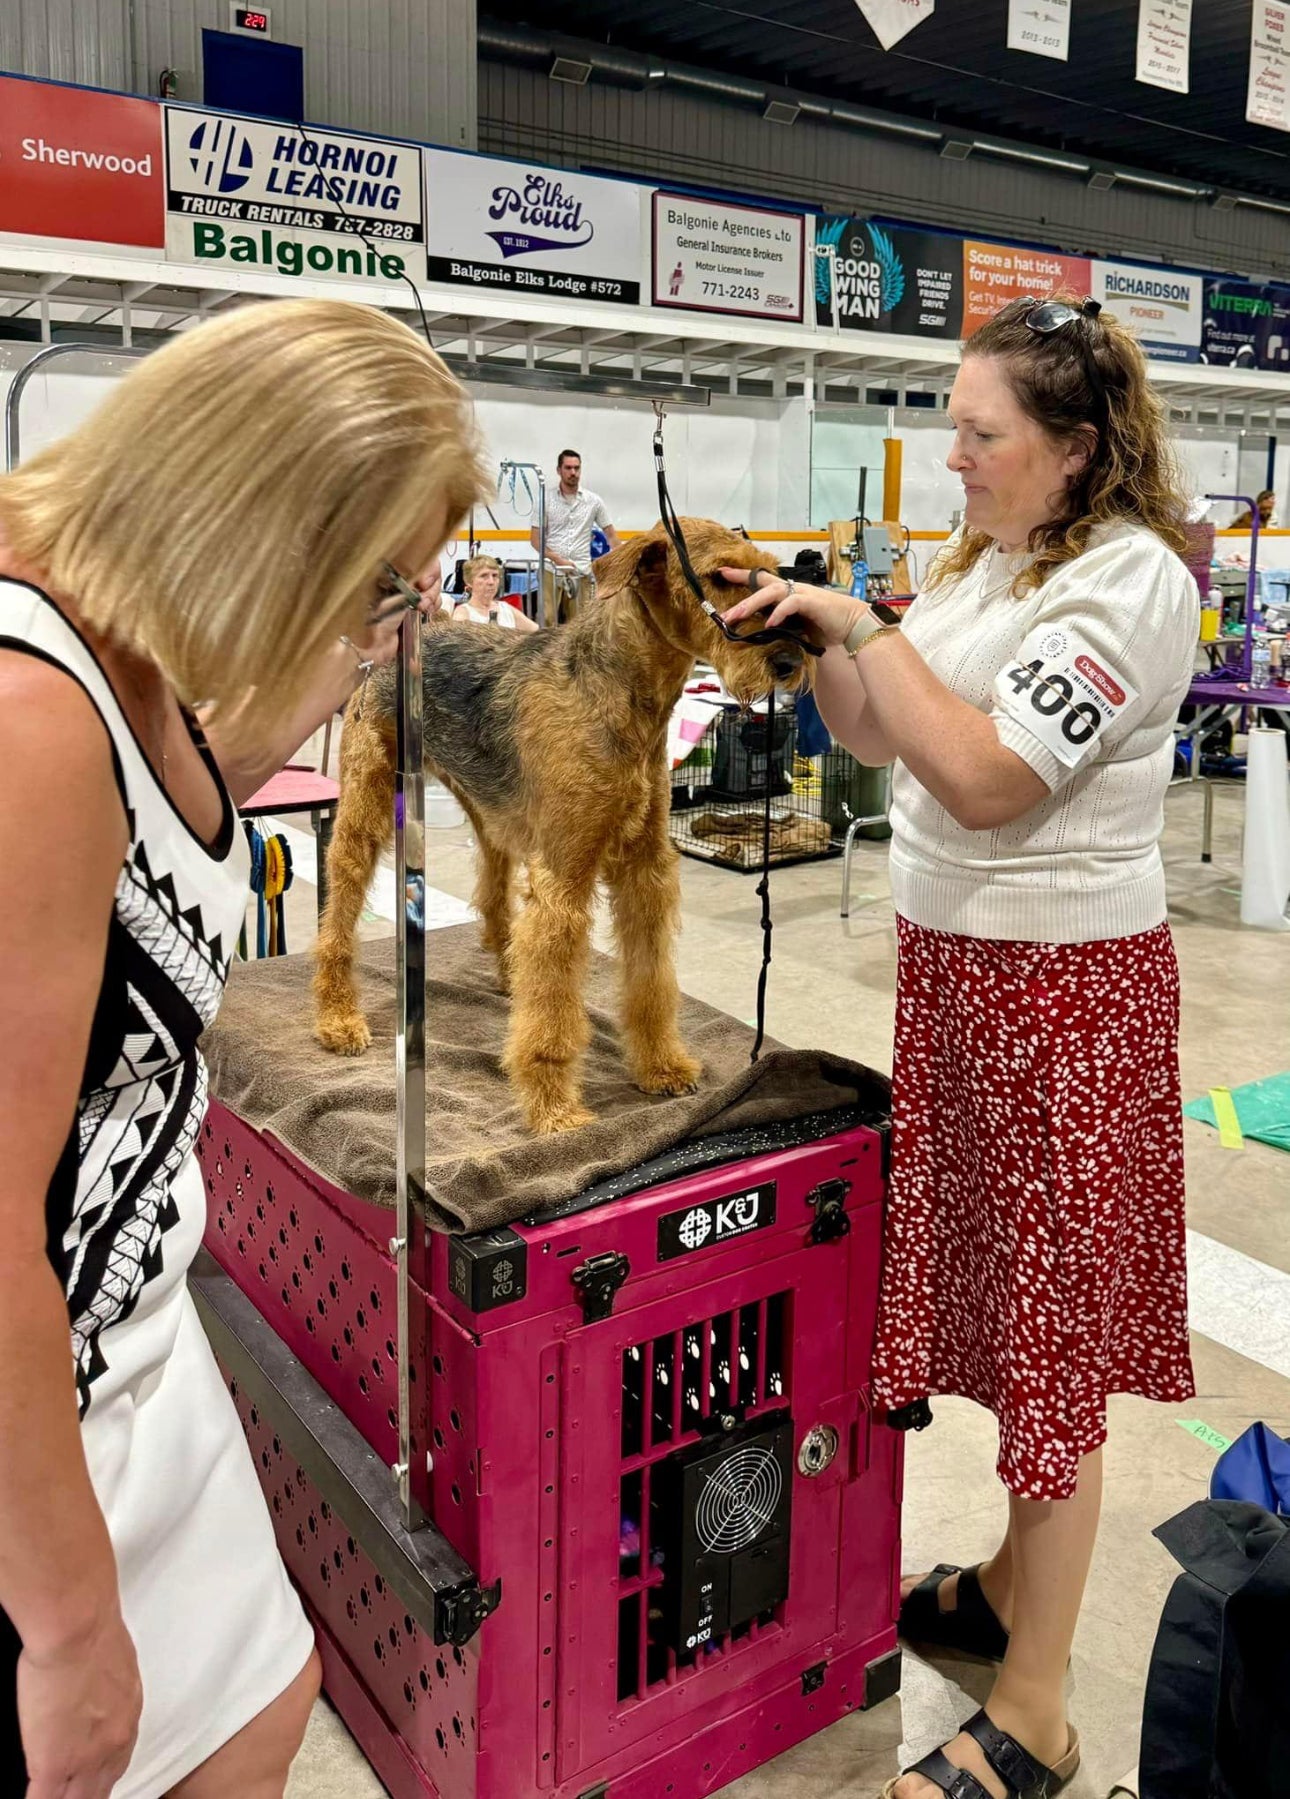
{"x":246,"y":193}
{"x":1062,"y":691}
{"x":1268,"y":100}
{"x":891,"y":20}
{"x":1043,"y":27}
{"x":500,"y":224}
{"x":1164,"y":44}
{"x":1163,"y":308}
{"x":713,"y":256}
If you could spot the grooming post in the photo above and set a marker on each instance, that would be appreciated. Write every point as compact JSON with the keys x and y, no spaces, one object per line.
{"x":409,"y":1246}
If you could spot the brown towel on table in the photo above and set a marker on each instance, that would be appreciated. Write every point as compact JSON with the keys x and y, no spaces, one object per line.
{"x":483,"y":1167}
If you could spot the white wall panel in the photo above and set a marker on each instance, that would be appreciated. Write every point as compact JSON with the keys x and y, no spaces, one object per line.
{"x":722,"y":462}
{"x":67,"y":40}
{"x":742,"y":461}
{"x":669,"y":133}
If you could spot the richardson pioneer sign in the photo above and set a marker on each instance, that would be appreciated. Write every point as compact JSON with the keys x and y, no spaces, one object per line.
{"x":75,"y":163}
{"x":292,"y":199}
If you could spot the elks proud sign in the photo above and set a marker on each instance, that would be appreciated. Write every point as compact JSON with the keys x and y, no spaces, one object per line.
{"x":495,"y":223}
{"x":291,"y":198}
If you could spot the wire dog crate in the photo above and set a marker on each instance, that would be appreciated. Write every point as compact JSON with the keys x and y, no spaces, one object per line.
{"x":642,"y":1423}
{"x":719,"y":794}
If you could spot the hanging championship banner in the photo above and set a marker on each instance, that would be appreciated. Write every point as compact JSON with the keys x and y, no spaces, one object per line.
{"x":494,"y":223}
{"x":1163,"y":308}
{"x":1164,"y":44}
{"x":714,"y":256}
{"x":891,"y":20}
{"x":1043,"y":27}
{"x":296,"y":201}
{"x":993,"y":274}
{"x":871,"y":277}
{"x":1268,"y":98}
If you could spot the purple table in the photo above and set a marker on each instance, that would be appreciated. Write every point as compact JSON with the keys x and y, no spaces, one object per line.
{"x":1213,"y":700}
{"x":1237,"y":693}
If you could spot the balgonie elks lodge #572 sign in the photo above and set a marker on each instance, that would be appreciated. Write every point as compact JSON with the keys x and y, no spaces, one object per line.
{"x":292,"y":199}
{"x":517,"y":225}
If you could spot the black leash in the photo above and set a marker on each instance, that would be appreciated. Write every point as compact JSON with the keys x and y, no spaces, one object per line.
{"x":763,"y":886}
{"x":775,"y":634}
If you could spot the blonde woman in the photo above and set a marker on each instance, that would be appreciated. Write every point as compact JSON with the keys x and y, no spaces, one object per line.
{"x":1034,"y":1248}
{"x":237,"y":525}
{"x":481,"y":606}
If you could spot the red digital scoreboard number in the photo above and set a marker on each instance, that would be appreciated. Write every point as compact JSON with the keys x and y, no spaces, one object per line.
{"x":247,"y":20}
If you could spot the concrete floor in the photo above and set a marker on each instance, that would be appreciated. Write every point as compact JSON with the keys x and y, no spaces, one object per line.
{"x":832,"y":986}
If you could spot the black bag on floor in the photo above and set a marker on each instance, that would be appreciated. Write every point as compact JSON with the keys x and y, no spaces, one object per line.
{"x":1216,"y":1719}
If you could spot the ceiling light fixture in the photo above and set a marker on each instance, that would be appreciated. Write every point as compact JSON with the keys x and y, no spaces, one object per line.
{"x":1039,"y":157}
{"x":1101,"y":181}
{"x":1155,"y":185}
{"x":955,"y":150}
{"x":1259,"y":205}
{"x":781,"y":112}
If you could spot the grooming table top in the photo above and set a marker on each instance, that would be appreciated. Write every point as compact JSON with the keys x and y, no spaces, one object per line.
{"x":483,"y":1167}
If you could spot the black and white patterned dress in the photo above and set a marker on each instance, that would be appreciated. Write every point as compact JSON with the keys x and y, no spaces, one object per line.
{"x":218,"y":1630}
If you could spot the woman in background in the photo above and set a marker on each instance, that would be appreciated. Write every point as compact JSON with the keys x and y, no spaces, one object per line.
{"x":481,"y":605}
{"x":237,"y":526}
{"x":1266,"y":504}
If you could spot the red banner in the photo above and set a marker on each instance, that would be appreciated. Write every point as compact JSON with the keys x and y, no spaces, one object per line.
{"x":993,"y":274}
{"x":81,"y":164}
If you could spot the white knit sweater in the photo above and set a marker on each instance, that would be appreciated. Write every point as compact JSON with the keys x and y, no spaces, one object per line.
{"x":1083,"y":680}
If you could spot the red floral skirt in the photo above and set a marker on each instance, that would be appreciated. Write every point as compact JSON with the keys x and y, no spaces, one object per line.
{"x":1034,"y":1254}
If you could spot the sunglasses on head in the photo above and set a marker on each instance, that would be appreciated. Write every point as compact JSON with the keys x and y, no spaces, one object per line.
{"x":1047,"y":316}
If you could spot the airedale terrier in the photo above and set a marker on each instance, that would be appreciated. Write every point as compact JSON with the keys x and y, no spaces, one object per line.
{"x":556,"y":746}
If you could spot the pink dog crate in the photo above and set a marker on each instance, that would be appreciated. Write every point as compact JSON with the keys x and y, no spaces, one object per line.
{"x":665,"y":1519}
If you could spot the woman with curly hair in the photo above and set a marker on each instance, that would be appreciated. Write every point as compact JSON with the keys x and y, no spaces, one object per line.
{"x":1034,"y":1243}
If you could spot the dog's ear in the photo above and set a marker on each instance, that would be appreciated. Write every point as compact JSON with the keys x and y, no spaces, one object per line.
{"x":640,"y":558}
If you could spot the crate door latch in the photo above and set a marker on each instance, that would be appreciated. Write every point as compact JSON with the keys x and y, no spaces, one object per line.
{"x":597,"y":1281}
{"x":831,"y":1220}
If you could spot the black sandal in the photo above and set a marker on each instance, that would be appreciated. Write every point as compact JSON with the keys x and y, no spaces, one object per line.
{"x":971,"y":1629}
{"x":1021,"y":1774}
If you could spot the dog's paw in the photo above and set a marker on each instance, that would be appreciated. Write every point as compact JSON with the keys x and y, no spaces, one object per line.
{"x":346,"y":1035}
{"x":678,"y":1074}
{"x":550,"y":1121}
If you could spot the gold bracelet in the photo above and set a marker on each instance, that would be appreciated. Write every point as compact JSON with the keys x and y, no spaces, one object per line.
{"x":875,"y":637}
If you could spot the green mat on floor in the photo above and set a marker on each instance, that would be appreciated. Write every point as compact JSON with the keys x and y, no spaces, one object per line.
{"x":1262,"y":1109}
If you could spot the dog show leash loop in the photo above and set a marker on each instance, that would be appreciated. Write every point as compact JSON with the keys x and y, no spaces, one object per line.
{"x":763,"y":886}
{"x":676,"y":537}
{"x":672,"y":526}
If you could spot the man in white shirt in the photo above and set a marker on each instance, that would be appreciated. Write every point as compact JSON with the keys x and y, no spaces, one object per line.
{"x":572,"y":513}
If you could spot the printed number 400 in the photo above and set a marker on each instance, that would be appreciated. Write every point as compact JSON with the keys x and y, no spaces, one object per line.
{"x":1050,"y":694}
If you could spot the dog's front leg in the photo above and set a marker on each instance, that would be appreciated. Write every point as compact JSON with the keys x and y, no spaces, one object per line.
{"x":645,"y":894}
{"x":364,"y":825}
{"x":549,"y":1031}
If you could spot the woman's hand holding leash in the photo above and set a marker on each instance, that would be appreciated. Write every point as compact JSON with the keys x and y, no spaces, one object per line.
{"x":832,"y":616}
